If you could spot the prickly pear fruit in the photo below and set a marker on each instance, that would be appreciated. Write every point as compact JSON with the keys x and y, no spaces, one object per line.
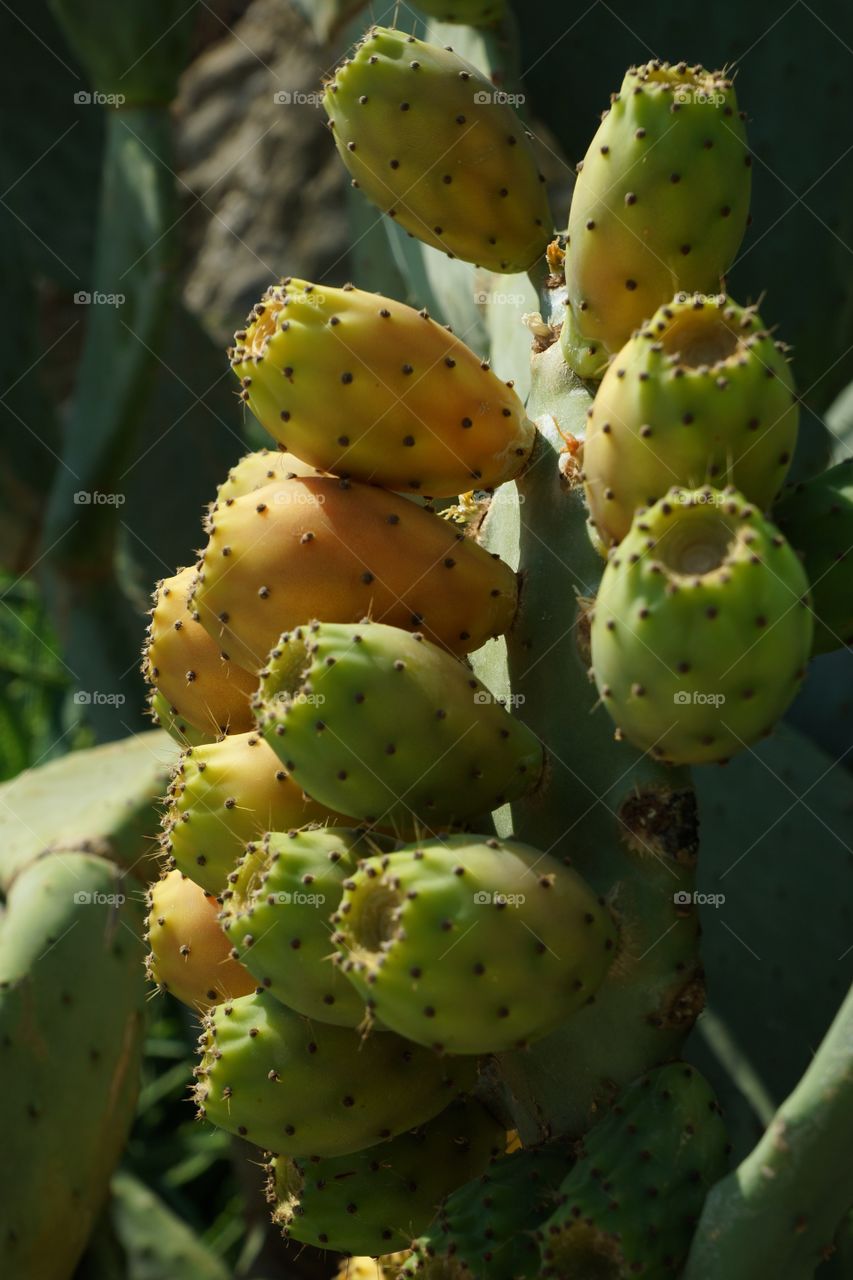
{"x":199,"y":682}
{"x":166,"y":717}
{"x":258,"y":469}
{"x":378,"y":719}
{"x":301,"y":1088}
{"x":472,"y":945}
{"x":381,"y":1198}
{"x":222,"y":796}
{"x":660,"y":205}
{"x":472,"y":13}
{"x":629,"y":1206}
{"x":369,"y":388}
{"x":817,"y":519}
{"x":485,"y":1228}
{"x":364,"y":1268}
{"x":701,"y":629}
{"x":427,"y":139}
{"x":276,"y":914}
{"x":190,"y":955}
{"x":338,"y":551}
{"x":700,"y":395}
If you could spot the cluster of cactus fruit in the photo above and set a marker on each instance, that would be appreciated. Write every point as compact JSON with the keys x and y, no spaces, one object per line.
{"x":375,"y":947}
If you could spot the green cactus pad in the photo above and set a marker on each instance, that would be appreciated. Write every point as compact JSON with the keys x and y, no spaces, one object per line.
{"x":660,"y":205}
{"x":221,"y":796}
{"x":379,"y":1200}
{"x":701,"y":628}
{"x":430,"y":141}
{"x":302,"y":1088}
{"x":380,"y":721}
{"x":702,"y":394}
{"x":276,"y":913}
{"x":486,"y":1228}
{"x":817,"y":519}
{"x":369,"y":388}
{"x":472,"y":13}
{"x":629,"y":1206}
{"x":471,"y":945}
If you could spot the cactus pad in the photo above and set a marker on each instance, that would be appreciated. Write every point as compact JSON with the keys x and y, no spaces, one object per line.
{"x":301,"y":1088}
{"x":380,"y":720}
{"x":699,"y":395}
{"x":472,"y":945}
{"x":701,"y":628}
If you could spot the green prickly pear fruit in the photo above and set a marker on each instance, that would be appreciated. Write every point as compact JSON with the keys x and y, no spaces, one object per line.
{"x":700,"y":395}
{"x":190,"y":956}
{"x":258,"y":469}
{"x":276,"y":914}
{"x":379,"y":1199}
{"x":339,"y":551}
{"x":817,"y":519}
{"x":369,"y":388}
{"x":486,"y":1227}
{"x":629,"y":1206}
{"x":166,"y":717}
{"x":701,"y":629}
{"x":379,"y":720}
{"x":660,"y":205}
{"x":185,"y":665}
{"x":471,"y":13}
{"x":223,"y":795}
{"x":302,"y":1088}
{"x":427,"y":139}
{"x":472,"y":945}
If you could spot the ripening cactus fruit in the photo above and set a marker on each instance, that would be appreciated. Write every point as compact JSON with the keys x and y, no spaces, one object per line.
{"x":190,"y":955}
{"x":702,"y":394}
{"x":276,"y":914}
{"x":340,"y":551}
{"x":427,"y":139}
{"x":379,"y":720}
{"x":472,"y":945}
{"x":189,"y":670}
{"x":629,"y":1206}
{"x":167,"y":717}
{"x":701,"y":628}
{"x":485,"y":1229}
{"x":371,"y":389}
{"x":660,"y":205}
{"x":303,"y":1088}
{"x":380,"y":1199}
{"x":223,"y":795}
{"x":817,"y":519}
{"x":255,"y":471}
{"x":472,"y":13}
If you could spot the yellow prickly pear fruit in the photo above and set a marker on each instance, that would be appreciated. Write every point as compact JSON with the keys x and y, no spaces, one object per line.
{"x":330,"y":549}
{"x":196,"y":681}
{"x":369,"y":388}
{"x":190,"y":955}
{"x":262,"y":467}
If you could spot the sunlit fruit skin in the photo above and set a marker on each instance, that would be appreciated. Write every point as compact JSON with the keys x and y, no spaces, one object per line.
{"x":701,"y":629}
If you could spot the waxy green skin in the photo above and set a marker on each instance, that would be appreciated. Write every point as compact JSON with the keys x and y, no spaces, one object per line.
{"x":454,"y":167}
{"x":486,"y":1228}
{"x":629,"y":1205}
{"x":817,"y":519}
{"x":695,"y":663}
{"x":660,"y":205}
{"x":379,"y":721}
{"x":378,"y":1200}
{"x":300,"y":1088}
{"x":471,"y":945}
{"x":276,"y":913}
{"x":668,"y":412}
